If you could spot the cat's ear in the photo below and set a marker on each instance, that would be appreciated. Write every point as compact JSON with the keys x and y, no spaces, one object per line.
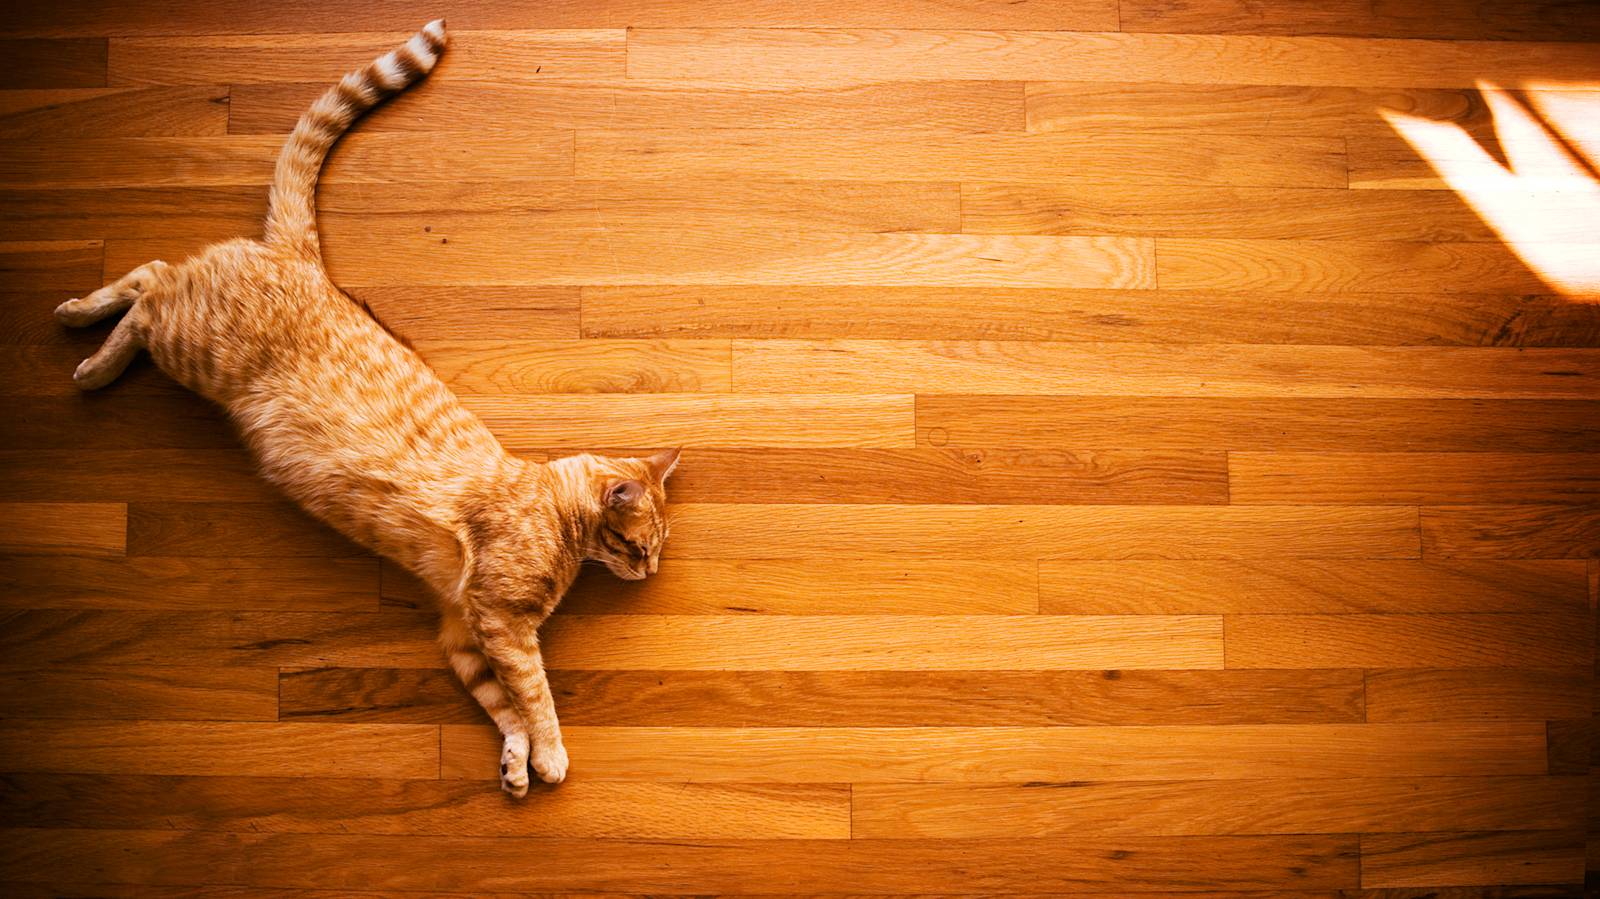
{"x":662,"y":464}
{"x":623,"y":493}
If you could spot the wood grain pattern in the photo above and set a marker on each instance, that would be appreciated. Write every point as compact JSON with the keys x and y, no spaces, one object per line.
{"x":995,"y":532}
{"x":512,"y":368}
{"x":430,"y":807}
{"x":1425,"y":478}
{"x":1512,"y":531}
{"x":1467,"y":693}
{"x":1518,"y":20}
{"x":37,"y":64}
{"x":977,"y":811}
{"x":1409,"y":641}
{"x":1143,"y":316}
{"x":193,"y":694}
{"x":985,"y":755}
{"x":1015,"y":367}
{"x":265,"y":584}
{"x":847,"y":698}
{"x":1261,"y":424}
{"x":231,"y":530}
{"x":1470,"y":858}
{"x":115,"y":112}
{"x":1308,"y":586}
{"x":90,"y":528}
{"x":51,"y":264}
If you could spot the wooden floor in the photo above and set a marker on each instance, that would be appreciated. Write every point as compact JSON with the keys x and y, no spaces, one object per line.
{"x":1114,"y":462}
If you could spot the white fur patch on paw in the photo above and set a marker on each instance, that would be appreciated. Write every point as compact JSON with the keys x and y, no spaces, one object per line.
{"x":550,"y":763}
{"x":514,"y":765}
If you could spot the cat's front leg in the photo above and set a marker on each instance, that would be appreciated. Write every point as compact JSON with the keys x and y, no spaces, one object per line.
{"x":513,"y":651}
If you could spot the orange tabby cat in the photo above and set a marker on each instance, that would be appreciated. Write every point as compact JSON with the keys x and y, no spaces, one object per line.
{"x":355,"y":427}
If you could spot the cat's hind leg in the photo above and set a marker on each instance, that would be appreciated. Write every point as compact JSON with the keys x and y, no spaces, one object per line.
{"x":129,"y":335}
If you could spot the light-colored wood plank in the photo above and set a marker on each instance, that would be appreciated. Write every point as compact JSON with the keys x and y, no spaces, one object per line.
{"x":1146,"y":316}
{"x":1402,"y":859}
{"x":246,"y":639}
{"x":1410,"y":641}
{"x":249,"y":530}
{"x":115,"y":112}
{"x":726,"y":420}
{"x":209,"y":212}
{"x":247,"y":159}
{"x":1520,"y":20}
{"x":1511,"y":532}
{"x":502,"y":367}
{"x":876,"y":643}
{"x":813,"y":56}
{"x":220,"y":748}
{"x":932,"y":475}
{"x":1433,"y":478}
{"x":635,"y":103}
{"x":1476,"y":693}
{"x":1307,"y":586}
{"x":254,"y":804}
{"x":43,"y":64}
{"x":995,"y":156}
{"x":777,"y":587}
{"x":504,"y":56}
{"x":1127,"y":369}
{"x":998,"y":532}
{"x":95,"y":694}
{"x":91,"y":528}
{"x":266,"y":584}
{"x":1265,"y":423}
{"x":1320,"y":265}
{"x":978,"y":811}
{"x":1388,"y":162}
{"x":1007,"y":754}
{"x":847,"y":698}
{"x":476,"y":313}
{"x":479,"y":865}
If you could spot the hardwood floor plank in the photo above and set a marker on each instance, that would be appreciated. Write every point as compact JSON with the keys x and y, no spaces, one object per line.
{"x":228,"y":639}
{"x":1409,"y":641}
{"x":995,"y":532}
{"x":239,"y":17}
{"x":253,"y":804}
{"x":218,"y":748}
{"x":1320,"y":265}
{"x":1511,"y":532}
{"x":115,"y":112}
{"x":846,"y":698}
{"x":1519,"y":20}
{"x":690,"y":420}
{"x":476,"y":313}
{"x":448,"y":104}
{"x":1429,"y":478}
{"x":480,"y":864}
{"x":932,"y":475}
{"x":1387,"y":162}
{"x":48,"y":528}
{"x":115,"y":420}
{"x":247,"y":159}
{"x":184,"y":475}
{"x":1425,"y":804}
{"x":263,"y":584}
{"x":820,"y":56}
{"x":192,"y":694}
{"x":231,"y":530}
{"x":1403,"y":859}
{"x":993,"y":156}
{"x":778,"y":587}
{"x":1145,"y":316}
{"x":1018,"y":367}
{"x":1478,"y":693}
{"x":1261,"y":424}
{"x":501,"y":367}
{"x":45,"y":64}
{"x":989,"y":755}
{"x":76,"y":213}
{"x":519,"y":56}
{"x":875,"y":643}
{"x":1308,"y":586}
{"x":51,"y":264}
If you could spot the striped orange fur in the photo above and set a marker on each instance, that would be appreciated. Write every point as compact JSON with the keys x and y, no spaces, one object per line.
{"x":353,"y":425}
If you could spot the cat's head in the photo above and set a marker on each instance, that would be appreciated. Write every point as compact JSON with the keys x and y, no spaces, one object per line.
{"x":633,"y":513}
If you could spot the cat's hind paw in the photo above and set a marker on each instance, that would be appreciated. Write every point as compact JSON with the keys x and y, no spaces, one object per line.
{"x":514,"y":765}
{"x":550,"y":762}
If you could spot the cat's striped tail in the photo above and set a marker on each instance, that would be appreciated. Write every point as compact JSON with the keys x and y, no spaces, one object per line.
{"x":292,"y":210}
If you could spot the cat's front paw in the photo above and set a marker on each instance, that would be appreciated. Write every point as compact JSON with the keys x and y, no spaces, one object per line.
{"x":550,"y":762}
{"x":514,"y":765}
